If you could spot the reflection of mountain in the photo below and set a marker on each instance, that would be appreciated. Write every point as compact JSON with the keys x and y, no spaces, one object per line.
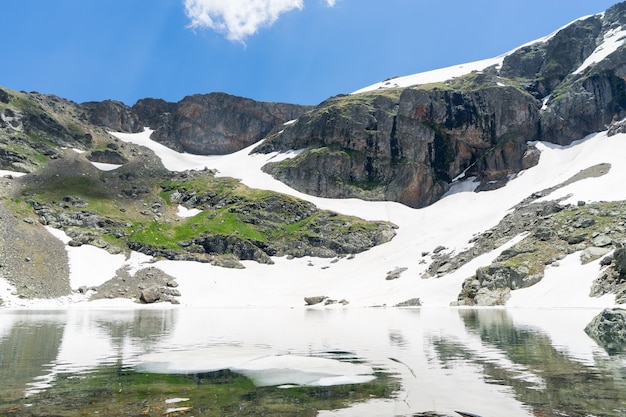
{"x":25,"y":349}
{"x":541,"y":375}
{"x":40,"y":346}
{"x":490,"y":362}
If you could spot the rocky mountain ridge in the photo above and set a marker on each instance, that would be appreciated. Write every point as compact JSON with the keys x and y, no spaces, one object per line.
{"x":407,"y":144}
{"x":204,"y":124}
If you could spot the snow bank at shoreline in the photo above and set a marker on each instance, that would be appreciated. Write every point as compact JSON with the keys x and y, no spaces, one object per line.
{"x":450,"y":222}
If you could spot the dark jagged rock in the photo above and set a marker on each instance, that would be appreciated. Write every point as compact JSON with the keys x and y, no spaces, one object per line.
{"x":407,"y":145}
{"x":4,"y":97}
{"x":608,"y":329}
{"x":113,"y":115}
{"x":107,"y":156}
{"x":217,"y":123}
{"x":546,"y":64}
{"x":205,"y":124}
{"x":612,"y":280}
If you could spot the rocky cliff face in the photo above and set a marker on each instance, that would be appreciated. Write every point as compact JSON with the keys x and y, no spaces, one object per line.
{"x":215,"y":124}
{"x":407,"y":145}
{"x":205,"y":124}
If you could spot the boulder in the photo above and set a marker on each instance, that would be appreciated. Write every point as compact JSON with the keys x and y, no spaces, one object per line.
{"x":492,"y":284}
{"x":395,"y":274}
{"x":602,"y":241}
{"x":412,"y":302}
{"x":619,"y":258}
{"x":150,"y":295}
{"x":4,"y":96}
{"x":592,"y":253}
{"x":492,"y":297}
{"x":608,"y":329}
{"x":107,"y":156}
{"x":310,"y":301}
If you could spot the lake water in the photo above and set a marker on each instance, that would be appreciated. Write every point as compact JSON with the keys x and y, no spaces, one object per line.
{"x":308,"y":362}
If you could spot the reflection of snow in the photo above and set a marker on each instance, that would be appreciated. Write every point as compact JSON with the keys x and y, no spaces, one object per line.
{"x":264,"y":366}
{"x":296,"y":347}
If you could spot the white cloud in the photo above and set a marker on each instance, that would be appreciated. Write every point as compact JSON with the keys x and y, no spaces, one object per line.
{"x":238,"y":19}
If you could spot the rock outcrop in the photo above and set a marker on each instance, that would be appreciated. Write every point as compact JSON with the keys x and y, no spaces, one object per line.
{"x":113,"y":115}
{"x":205,"y":124}
{"x":552,"y":232}
{"x":608,"y":329}
{"x":613,"y":279}
{"x":215,"y":124}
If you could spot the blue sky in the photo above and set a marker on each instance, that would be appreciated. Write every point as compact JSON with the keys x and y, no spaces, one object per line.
{"x":298,"y":51}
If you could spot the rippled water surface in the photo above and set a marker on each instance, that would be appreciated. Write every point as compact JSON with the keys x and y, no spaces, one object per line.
{"x":298,"y":362}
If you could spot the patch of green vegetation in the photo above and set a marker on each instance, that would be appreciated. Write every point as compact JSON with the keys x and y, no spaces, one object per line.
{"x":366,"y":98}
{"x":367,"y":185}
{"x":75,"y":130}
{"x":118,"y":391}
{"x":603,"y":214}
{"x":303,"y":157}
{"x":86,"y":187}
{"x":228,"y":208}
{"x":475,"y":81}
{"x":169,"y":235}
{"x":534,"y":260}
{"x":22,"y":103}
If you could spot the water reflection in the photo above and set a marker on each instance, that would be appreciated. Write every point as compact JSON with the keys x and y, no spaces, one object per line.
{"x":562,"y":386}
{"x":28,"y":345}
{"x":489,"y":362}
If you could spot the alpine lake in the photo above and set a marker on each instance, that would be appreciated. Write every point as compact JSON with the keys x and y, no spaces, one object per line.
{"x":306,"y":362}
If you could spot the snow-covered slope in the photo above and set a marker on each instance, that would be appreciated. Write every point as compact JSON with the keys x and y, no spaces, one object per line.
{"x":612,"y":41}
{"x":451,"y":222}
{"x":434,"y":76}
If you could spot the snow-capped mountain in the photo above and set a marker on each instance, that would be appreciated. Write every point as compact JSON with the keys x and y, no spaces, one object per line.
{"x":501,"y":180}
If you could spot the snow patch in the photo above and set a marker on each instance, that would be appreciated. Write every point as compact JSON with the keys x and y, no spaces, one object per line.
{"x":434,"y":76}
{"x":613,"y":39}
{"x":105,"y":167}
{"x":185,"y":212}
{"x":5,"y":173}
